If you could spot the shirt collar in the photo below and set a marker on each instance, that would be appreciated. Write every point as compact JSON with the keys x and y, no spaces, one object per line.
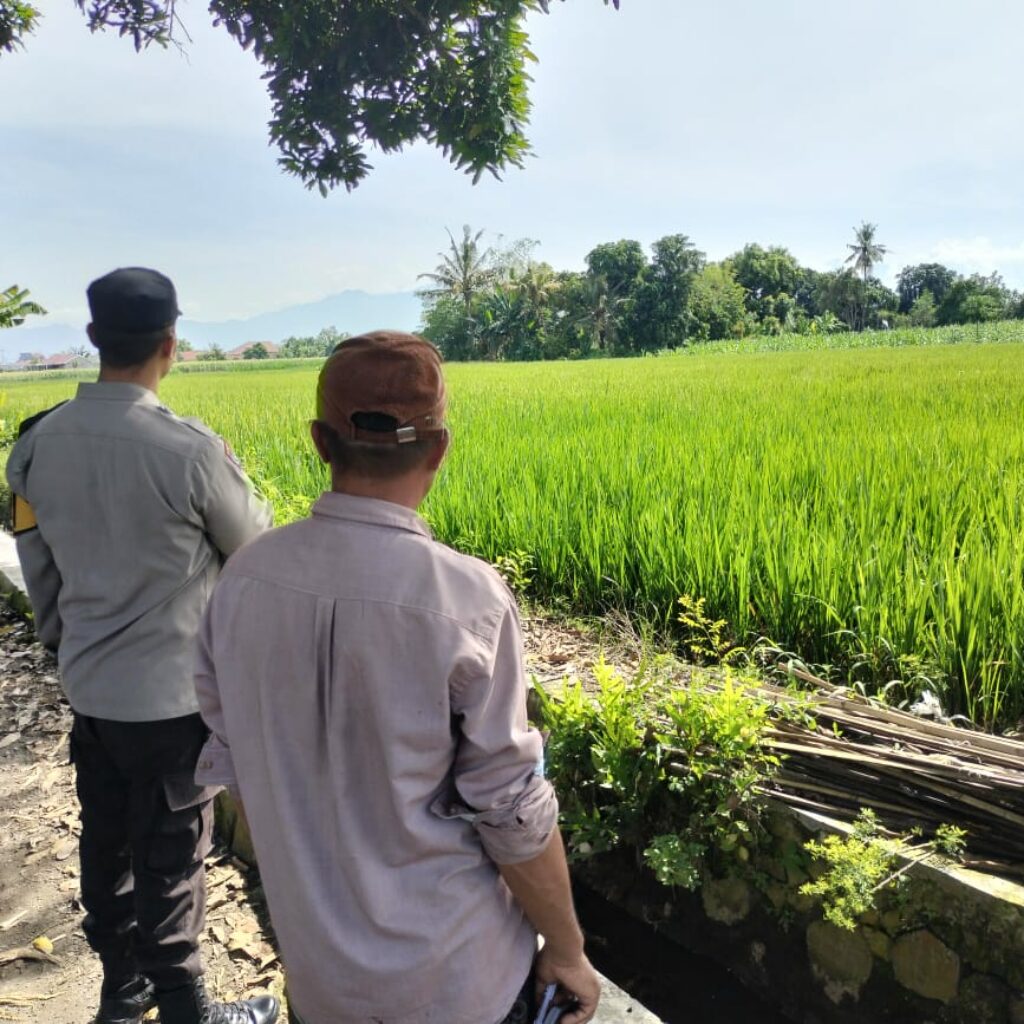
{"x":117,"y":391}
{"x":372,"y":511}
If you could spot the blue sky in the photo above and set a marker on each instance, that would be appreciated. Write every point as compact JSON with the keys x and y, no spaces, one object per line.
{"x":731,"y":121}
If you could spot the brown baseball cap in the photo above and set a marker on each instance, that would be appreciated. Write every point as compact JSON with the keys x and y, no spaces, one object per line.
{"x":385,"y":387}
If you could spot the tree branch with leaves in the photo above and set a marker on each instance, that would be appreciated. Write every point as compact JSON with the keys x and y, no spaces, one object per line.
{"x":344,"y":77}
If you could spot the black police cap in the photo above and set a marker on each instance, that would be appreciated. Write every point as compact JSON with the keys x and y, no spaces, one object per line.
{"x":133,"y":300}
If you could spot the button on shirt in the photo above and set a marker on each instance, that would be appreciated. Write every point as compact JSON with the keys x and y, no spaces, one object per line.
{"x":136,"y":510}
{"x":365,"y":690}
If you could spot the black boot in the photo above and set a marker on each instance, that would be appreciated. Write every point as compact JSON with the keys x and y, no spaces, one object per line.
{"x":126,"y":1003}
{"x":191,"y":1005}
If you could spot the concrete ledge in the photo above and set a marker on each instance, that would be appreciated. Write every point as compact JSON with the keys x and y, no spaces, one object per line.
{"x":12,"y":583}
{"x":944,"y":949}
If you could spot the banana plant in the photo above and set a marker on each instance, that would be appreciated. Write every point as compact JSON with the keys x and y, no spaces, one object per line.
{"x":15,"y":306}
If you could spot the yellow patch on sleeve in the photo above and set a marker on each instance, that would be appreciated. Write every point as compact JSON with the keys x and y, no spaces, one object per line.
{"x":22,"y":516}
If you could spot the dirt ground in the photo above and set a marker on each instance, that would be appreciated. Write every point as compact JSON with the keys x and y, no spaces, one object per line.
{"x":39,"y":863}
{"x":39,"y":829}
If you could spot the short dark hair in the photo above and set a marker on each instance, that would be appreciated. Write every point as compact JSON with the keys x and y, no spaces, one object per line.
{"x":373,"y":460}
{"x":123,"y":349}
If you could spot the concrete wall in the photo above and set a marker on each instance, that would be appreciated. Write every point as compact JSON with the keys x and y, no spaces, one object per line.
{"x":948,"y":949}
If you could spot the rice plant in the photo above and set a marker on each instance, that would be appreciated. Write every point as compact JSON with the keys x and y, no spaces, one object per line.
{"x":861,"y":507}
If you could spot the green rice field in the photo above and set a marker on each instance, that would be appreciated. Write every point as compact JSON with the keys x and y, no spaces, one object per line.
{"x":860,"y":507}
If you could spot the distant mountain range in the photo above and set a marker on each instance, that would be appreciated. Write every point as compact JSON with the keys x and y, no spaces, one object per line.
{"x":349,"y":311}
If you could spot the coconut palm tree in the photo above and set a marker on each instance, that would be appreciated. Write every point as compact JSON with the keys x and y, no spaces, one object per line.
{"x":601,"y":312}
{"x":537,"y":281}
{"x":505,"y":325}
{"x":538,"y":285}
{"x":865,"y":252}
{"x":15,"y":305}
{"x":464,"y":271}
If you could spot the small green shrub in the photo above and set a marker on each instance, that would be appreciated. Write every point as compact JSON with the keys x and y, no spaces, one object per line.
{"x":674,"y":772}
{"x":675,"y":861}
{"x":861,"y":865}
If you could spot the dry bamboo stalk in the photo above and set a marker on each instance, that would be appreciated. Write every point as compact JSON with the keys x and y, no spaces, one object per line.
{"x":960,"y":749}
{"x":951,"y":802}
{"x":993,"y":866}
{"x":883,"y":794}
{"x":992,"y":847}
{"x":926,"y":810}
{"x":814,"y":787}
{"x":980,"y":739}
{"x":855,"y":710}
{"x":900,"y":724}
{"x":874,"y":759}
{"x":909,"y":744}
{"x":982,"y":836}
{"x":970,"y":776}
{"x":901,"y":782}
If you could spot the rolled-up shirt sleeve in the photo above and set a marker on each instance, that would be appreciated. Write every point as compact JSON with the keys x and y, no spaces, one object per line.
{"x":215,"y":766}
{"x":498,"y":771}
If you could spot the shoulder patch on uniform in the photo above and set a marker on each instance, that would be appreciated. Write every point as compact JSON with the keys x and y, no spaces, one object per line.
{"x":23,"y":518}
{"x":229,"y":452}
{"x":30,"y":421}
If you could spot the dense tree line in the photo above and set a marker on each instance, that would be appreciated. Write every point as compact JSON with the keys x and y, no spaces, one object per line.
{"x":499,"y":303}
{"x":321,"y":344}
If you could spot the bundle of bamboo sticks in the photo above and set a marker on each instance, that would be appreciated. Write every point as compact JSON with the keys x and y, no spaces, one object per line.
{"x":913,"y":772}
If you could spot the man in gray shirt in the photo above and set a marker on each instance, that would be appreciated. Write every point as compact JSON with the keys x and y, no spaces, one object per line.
{"x":123,"y":514}
{"x":365,"y":692}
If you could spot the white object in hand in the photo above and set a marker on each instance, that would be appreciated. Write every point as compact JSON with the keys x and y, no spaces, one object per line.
{"x":548,"y":1012}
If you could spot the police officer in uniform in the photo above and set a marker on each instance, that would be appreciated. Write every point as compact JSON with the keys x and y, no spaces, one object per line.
{"x":123,"y":515}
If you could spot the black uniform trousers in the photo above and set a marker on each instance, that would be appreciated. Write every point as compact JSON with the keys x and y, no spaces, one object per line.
{"x":146,"y":828}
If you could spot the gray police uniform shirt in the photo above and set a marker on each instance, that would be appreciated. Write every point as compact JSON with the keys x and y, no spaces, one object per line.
{"x":136,"y":509}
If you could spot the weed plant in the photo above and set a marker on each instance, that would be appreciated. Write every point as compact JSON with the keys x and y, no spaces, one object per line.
{"x":859,"y":866}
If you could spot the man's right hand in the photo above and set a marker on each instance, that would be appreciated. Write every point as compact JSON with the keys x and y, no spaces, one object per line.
{"x":576,"y":981}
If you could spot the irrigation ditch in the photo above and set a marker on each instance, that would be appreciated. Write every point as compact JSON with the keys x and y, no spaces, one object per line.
{"x":912,"y":911}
